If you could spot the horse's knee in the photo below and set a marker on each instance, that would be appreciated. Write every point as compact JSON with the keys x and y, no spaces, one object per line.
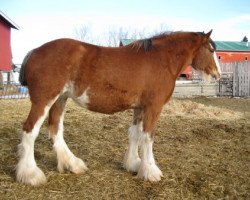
{"x":34,"y":115}
{"x":38,"y":113}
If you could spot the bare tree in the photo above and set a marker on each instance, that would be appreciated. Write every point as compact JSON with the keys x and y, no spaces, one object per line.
{"x":115,"y":36}
{"x":161,"y":29}
{"x":83,"y":33}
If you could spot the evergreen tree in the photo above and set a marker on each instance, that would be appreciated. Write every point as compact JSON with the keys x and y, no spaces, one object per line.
{"x":245,"y":39}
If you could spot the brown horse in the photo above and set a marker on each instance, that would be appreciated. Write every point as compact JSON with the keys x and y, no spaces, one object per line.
{"x":140,"y":76}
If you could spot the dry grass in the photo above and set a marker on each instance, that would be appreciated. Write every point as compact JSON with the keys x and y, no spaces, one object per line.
{"x":202,"y":146}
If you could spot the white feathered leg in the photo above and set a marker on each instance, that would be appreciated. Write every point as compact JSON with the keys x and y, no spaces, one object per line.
{"x":66,"y":159}
{"x":132,"y":160}
{"x":148,"y":170}
{"x":26,"y":170}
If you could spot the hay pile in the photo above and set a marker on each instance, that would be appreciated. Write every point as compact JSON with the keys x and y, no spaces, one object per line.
{"x":195,"y":110}
{"x":202,"y":146}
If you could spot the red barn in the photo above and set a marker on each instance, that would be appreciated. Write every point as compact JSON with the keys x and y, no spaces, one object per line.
{"x":5,"y":49}
{"x":233,"y":51}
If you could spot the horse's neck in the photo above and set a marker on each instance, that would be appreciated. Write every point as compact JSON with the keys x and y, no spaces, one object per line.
{"x":181,"y":56}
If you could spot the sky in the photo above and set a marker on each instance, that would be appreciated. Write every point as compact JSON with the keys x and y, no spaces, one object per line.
{"x":46,"y":20}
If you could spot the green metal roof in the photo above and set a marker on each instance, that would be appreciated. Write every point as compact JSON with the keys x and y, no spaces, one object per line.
{"x":126,"y":41}
{"x":220,"y":45}
{"x":232,"y":46}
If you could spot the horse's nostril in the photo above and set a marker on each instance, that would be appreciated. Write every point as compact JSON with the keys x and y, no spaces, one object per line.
{"x":217,"y":76}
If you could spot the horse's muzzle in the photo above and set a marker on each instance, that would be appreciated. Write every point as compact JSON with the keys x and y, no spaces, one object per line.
{"x":216,"y":76}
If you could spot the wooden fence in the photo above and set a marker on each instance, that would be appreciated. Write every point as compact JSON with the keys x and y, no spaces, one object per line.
{"x":10,"y":88}
{"x":241,"y":80}
{"x":235,"y":80}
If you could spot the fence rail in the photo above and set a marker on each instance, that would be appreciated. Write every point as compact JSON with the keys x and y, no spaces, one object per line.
{"x":11,"y":90}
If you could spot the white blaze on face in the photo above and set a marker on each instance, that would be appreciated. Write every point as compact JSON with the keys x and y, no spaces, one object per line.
{"x":216,"y":61}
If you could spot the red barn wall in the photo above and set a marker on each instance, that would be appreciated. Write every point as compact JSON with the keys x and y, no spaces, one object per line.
{"x":5,"y":50}
{"x":226,"y":57}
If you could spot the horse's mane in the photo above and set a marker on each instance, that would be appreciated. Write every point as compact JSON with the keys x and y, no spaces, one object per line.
{"x":147,"y":43}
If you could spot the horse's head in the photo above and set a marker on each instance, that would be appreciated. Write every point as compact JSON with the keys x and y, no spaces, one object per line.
{"x":205,"y":59}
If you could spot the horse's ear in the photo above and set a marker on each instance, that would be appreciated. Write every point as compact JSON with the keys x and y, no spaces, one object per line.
{"x":209,"y":33}
{"x":206,"y":37}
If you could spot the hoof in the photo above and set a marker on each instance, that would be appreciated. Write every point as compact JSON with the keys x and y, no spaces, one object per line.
{"x":75,"y":165}
{"x":132,"y":165}
{"x":149,"y":172}
{"x":30,"y":176}
{"x":78,"y":167}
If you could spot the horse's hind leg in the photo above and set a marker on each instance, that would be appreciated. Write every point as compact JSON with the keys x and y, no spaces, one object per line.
{"x":66,"y":159}
{"x":26,"y":170}
{"x":132,"y":160}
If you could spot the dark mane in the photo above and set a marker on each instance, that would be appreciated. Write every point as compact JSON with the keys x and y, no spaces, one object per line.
{"x":147,"y":43}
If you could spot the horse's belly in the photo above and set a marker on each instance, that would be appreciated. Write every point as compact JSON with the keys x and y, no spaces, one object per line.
{"x":108,"y":104}
{"x":106,"y":101}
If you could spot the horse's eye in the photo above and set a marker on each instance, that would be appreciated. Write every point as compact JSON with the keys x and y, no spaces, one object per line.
{"x":211,"y":50}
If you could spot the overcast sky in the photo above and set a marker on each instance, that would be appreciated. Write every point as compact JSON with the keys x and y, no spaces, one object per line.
{"x":42,"y":21}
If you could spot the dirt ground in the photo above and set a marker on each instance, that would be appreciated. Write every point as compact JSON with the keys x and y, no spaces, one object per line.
{"x":202,"y":146}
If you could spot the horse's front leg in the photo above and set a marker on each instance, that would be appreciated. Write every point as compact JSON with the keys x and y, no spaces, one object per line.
{"x":132,"y":160}
{"x":148,"y":169}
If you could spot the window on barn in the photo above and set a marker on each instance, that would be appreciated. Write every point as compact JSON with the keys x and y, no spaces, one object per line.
{"x":246,"y":58}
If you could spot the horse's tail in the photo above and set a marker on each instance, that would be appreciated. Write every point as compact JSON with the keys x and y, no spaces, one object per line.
{"x":22,"y":78}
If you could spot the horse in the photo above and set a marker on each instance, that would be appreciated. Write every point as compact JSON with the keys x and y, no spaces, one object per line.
{"x":140,"y":76}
